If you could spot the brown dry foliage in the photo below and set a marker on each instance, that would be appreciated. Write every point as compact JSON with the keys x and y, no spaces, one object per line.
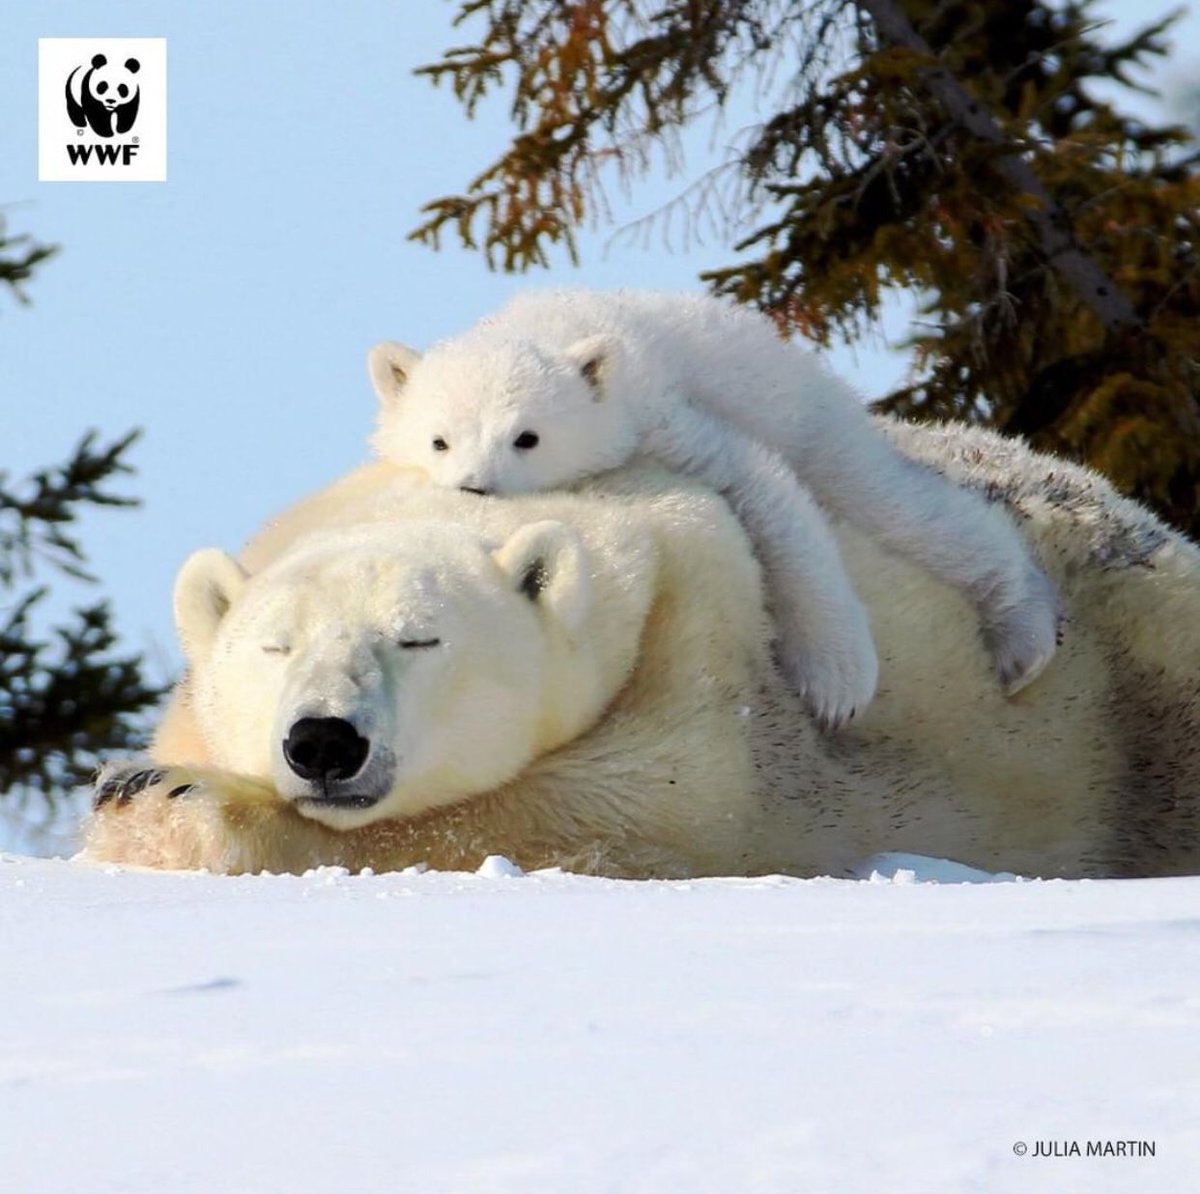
{"x":859,"y":184}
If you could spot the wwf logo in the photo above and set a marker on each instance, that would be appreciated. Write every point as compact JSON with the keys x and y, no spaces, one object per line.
{"x":105,"y":99}
{"x":112,"y":126}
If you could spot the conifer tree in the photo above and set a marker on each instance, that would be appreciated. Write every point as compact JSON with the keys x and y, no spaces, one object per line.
{"x":19,"y":256}
{"x":66,"y":692}
{"x":960,"y":150}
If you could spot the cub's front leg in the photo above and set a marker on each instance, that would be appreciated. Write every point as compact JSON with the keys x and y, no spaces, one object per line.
{"x":825,"y":647}
{"x":192,"y":818}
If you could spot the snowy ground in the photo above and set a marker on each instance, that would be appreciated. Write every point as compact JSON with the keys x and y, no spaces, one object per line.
{"x":496,"y":1032}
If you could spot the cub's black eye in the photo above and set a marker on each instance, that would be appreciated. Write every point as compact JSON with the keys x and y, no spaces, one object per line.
{"x":414,"y":643}
{"x":440,"y":445}
{"x":124,"y":91}
{"x":526,"y":440}
{"x":101,"y":88}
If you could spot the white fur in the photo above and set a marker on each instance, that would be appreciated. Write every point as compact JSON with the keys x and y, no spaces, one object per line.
{"x":711,"y":390}
{"x":457,"y":663}
{"x":631,"y":689}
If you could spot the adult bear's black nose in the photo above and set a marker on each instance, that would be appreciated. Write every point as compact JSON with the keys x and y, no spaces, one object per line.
{"x":325,"y":748}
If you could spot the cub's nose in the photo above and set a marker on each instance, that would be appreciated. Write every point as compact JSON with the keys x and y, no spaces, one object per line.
{"x":325,"y":748}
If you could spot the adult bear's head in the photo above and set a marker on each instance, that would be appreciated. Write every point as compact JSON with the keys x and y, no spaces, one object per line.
{"x":402,"y":667}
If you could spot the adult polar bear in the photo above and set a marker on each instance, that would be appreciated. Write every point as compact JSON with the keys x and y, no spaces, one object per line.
{"x":625,"y":719}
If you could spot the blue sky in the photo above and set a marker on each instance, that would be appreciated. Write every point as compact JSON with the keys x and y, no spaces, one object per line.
{"x":229,"y":310}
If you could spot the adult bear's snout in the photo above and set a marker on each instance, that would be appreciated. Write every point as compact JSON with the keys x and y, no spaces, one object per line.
{"x":325,"y":748}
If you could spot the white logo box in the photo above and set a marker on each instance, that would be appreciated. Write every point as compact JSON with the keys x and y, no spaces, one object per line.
{"x":83,"y":139}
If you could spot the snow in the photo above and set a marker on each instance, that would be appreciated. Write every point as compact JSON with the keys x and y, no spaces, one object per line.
{"x":496,"y":1032}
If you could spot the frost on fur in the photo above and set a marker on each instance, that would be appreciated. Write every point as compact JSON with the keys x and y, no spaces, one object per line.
{"x":565,"y":385}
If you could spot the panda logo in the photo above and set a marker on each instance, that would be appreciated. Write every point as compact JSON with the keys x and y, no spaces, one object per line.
{"x":106,"y":99}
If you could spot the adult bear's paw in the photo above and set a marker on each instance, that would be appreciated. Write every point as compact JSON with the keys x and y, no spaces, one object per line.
{"x":118,"y":784}
{"x":183,"y":818}
{"x":148,"y":814}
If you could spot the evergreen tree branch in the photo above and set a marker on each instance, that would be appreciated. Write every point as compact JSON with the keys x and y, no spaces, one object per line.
{"x":33,"y":524}
{"x":1058,"y":245}
{"x":19,"y":257}
{"x":65,"y":700}
{"x":958,"y":153}
{"x":66,"y":693}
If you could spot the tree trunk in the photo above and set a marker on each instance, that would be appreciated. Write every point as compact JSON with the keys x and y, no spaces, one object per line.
{"x":1055,"y":239}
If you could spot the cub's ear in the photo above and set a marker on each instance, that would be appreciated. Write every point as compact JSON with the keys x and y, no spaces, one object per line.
{"x":207,"y":585}
{"x":390,"y":366}
{"x":547,"y":563}
{"x":593,"y":356}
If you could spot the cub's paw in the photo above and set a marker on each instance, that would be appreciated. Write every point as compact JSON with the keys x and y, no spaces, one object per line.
{"x":836,"y":676}
{"x":1023,"y":637}
{"x":119,"y":784}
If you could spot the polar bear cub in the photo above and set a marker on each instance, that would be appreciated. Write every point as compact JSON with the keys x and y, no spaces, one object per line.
{"x":559,"y":386}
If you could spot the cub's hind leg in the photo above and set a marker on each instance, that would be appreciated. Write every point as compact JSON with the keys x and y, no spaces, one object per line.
{"x":953,"y":532}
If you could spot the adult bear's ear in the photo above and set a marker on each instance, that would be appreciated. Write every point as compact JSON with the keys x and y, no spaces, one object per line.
{"x":207,"y":585}
{"x":594,"y":356}
{"x":390,"y":366}
{"x":547,"y":564}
